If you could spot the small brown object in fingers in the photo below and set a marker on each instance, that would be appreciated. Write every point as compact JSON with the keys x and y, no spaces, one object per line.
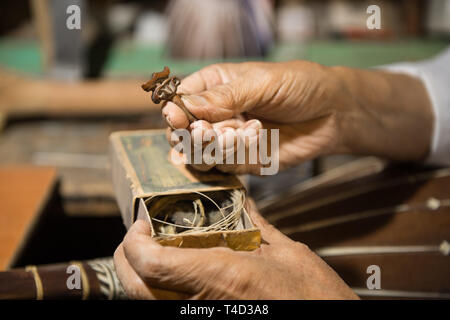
{"x":156,"y":77}
{"x":164,"y":88}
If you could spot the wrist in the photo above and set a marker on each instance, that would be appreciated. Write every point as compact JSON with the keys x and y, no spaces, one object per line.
{"x":344,"y":108}
{"x":380,"y":113}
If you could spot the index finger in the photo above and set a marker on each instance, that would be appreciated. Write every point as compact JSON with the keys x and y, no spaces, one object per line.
{"x":197,"y":82}
{"x":269,"y":233}
{"x":206,"y":78}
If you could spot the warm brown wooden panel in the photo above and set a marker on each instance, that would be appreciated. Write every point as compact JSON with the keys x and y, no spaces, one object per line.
{"x":24,"y":191}
{"x":416,"y":272}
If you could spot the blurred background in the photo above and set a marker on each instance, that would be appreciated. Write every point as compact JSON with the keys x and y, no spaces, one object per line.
{"x":63,"y":91}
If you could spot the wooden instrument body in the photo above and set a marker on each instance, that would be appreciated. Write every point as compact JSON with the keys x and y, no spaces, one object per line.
{"x":397,"y":219}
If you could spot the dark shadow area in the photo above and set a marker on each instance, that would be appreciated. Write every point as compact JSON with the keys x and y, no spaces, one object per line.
{"x":97,"y":54}
{"x":59,"y":238}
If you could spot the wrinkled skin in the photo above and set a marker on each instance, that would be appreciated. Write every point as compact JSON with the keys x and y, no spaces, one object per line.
{"x":319,"y":110}
{"x":257,"y":95}
{"x":279,"y":269}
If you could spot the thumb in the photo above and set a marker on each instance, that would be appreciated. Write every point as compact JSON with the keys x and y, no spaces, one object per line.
{"x":269,"y":233}
{"x":219,"y":103}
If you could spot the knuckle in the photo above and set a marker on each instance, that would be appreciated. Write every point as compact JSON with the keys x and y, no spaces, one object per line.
{"x":127,"y":240}
{"x":211,"y":68}
{"x":131,"y":240}
{"x":149,"y":264}
{"x":214,"y":73}
{"x":222,"y":95}
{"x":116,"y":255}
{"x":302,"y":248}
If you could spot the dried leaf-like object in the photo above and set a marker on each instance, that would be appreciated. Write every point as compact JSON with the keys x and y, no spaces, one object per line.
{"x":164,"y":88}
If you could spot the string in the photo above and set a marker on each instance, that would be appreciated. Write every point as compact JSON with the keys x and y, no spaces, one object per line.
{"x":227,"y":222}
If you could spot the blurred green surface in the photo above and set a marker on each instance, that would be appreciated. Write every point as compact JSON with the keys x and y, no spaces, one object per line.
{"x":127,"y":59}
{"x":21,"y":55}
{"x":369,"y":54}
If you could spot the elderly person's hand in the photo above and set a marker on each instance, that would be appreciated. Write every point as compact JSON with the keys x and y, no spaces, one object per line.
{"x":279,"y":269}
{"x":319,"y":110}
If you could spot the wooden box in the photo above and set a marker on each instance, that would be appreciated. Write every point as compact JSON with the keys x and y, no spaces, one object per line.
{"x":141,"y":168}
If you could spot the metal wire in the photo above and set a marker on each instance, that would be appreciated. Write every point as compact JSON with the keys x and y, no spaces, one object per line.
{"x":229,"y":220}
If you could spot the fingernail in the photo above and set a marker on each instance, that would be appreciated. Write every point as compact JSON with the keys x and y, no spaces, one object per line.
{"x":252,"y":127}
{"x":197,"y":124}
{"x":254,"y":124}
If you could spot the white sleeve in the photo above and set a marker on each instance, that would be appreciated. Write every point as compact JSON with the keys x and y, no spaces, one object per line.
{"x":435,"y":74}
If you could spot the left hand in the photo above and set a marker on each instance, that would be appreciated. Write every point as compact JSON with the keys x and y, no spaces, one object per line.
{"x":279,"y":269}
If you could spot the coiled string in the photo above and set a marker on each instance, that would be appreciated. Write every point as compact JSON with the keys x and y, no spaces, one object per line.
{"x":230,"y":214}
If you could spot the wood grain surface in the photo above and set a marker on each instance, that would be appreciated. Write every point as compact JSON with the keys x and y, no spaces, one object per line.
{"x":24,"y":191}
